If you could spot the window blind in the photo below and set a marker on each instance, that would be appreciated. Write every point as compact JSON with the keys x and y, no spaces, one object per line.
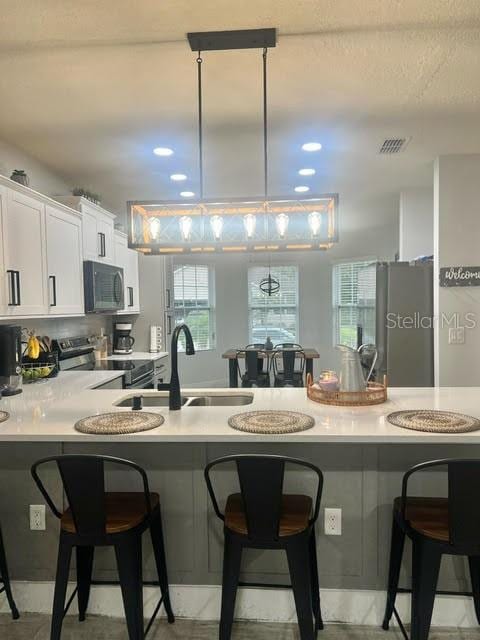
{"x":354,"y":299}
{"x":193,"y":297}
{"x":274,"y":316}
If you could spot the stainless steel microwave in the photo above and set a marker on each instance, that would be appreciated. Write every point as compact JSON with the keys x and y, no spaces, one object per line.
{"x":103,"y":286}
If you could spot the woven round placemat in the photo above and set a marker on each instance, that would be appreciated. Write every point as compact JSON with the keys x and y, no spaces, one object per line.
{"x":271,"y":422}
{"x":4,"y":415}
{"x":434,"y":421}
{"x":120,"y":422}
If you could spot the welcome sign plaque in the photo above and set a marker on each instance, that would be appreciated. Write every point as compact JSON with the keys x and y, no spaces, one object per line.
{"x":460,"y":277}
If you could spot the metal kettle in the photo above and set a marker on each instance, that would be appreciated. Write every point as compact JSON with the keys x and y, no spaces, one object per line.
{"x":352,"y":377}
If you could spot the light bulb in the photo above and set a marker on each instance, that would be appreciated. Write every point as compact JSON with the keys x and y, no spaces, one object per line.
{"x":306,"y":172}
{"x":187,"y":194}
{"x":185,"y":227}
{"x":249,"y":223}
{"x":281,"y":222}
{"x":155,"y":228}
{"x":178,"y":177}
{"x":315,"y":222}
{"x":216,"y":222}
{"x":302,"y":188}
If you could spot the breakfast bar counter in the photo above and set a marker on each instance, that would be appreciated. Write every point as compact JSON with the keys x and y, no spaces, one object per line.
{"x":362,"y":456}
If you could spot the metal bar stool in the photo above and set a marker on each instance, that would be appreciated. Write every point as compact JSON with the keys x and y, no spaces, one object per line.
{"x":5,"y":580}
{"x":263,"y":517}
{"x":97,"y":518}
{"x":436,"y":526}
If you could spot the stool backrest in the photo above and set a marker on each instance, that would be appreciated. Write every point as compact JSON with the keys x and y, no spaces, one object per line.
{"x":292,"y":361}
{"x":463,"y":498}
{"x":83,"y":479}
{"x":253,"y":363}
{"x":261,"y":480}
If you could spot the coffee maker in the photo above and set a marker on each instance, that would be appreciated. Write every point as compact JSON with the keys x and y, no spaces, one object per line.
{"x":122,"y":340}
{"x":10,"y":360}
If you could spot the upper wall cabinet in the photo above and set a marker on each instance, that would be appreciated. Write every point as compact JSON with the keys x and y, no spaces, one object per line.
{"x":98,"y":229}
{"x":128,"y":259}
{"x":24,"y":255}
{"x":64,"y":261}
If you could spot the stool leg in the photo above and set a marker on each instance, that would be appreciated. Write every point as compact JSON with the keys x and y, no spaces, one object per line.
{"x":315,"y":582}
{"x":232,"y":557}
{"x":299,"y":565}
{"x":425,"y":568}
{"x":61,"y":582}
{"x":129,"y":561}
{"x":396,"y":554}
{"x":5,"y":578}
{"x":474,"y":563}
{"x":84,"y":578}
{"x":156,"y":533}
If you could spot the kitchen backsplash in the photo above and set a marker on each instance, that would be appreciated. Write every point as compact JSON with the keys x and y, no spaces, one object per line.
{"x":63,"y":327}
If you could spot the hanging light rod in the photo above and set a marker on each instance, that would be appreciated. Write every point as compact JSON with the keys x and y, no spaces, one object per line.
{"x":239,"y":39}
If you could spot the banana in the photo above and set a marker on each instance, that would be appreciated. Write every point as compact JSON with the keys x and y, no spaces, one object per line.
{"x":33,"y":348}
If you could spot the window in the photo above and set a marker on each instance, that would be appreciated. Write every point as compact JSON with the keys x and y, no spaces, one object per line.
{"x":274,"y":316}
{"x":193,"y":286}
{"x":354,"y":302}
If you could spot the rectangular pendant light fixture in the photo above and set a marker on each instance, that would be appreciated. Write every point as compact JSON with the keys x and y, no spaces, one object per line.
{"x":219,"y":225}
{"x":240,"y":39}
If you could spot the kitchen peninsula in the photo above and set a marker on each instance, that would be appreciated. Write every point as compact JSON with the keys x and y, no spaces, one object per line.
{"x":362,"y":456}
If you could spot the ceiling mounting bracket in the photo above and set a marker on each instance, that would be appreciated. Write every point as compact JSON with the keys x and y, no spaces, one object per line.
{"x":239,"y":39}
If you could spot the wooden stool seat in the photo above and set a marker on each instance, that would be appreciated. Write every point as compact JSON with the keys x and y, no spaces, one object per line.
{"x":123,"y":511}
{"x":428,"y":516}
{"x":294,"y":518}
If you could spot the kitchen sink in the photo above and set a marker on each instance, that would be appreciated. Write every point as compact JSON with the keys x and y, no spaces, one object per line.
{"x":147,"y":401}
{"x":220,"y":401}
{"x":160,"y":399}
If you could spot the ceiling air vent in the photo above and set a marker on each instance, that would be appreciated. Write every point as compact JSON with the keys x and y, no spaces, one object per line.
{"x":393,"y":145}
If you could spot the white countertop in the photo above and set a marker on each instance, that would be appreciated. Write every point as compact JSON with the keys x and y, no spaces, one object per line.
{"x":138,"y":355}
{"x":47,"y":411}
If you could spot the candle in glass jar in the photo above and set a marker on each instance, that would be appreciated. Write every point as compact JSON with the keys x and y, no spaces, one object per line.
{"x":328,"y":381}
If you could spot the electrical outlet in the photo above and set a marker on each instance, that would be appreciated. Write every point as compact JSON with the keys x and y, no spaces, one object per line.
{"x":37,"y":517}
{"x":456,"y":335}
{"x":333,"y":522}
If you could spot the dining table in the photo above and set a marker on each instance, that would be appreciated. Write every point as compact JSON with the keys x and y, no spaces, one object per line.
{"x":232,"y":355}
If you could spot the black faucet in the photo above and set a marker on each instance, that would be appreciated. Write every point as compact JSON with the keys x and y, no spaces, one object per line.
{"x":175,"y":400}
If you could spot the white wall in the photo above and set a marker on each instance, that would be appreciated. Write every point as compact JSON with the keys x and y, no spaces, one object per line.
{"x":457,"y":243}
{"x":416,"y":223}
{"x":207,"y":368}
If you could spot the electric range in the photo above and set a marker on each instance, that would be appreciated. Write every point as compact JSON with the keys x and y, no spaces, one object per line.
{"x":76,"y":354}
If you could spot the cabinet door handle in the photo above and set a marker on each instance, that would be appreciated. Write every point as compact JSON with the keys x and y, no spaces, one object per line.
{"x":169,"y":324}
{"x":19,"y":297}
{"x":102,"y":253}
{"x":12,"y":297}
{"x":53,"y":280}
{"x":168,"y":298}
{"x":130,"y":296}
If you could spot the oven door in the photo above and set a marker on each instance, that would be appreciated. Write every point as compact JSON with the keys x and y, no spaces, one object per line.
{"x":145,"y":382}
{"x":104,"y":287}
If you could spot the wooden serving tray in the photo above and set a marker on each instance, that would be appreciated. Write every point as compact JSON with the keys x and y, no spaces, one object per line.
{"x":376,"y":393}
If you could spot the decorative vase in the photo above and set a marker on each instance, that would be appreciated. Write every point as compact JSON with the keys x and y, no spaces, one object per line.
{"x":20,"y":176}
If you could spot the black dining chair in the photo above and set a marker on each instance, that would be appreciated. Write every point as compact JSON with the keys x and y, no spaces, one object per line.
{"x":253,"y":374}
{"x":288,"y":365}
{"x":5,"y":580}
{"x":436,"y":526}
{"x":262,"y":516}
{"x":96,"y":518}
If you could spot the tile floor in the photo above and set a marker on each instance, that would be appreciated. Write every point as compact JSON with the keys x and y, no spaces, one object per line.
{"x":36,"y":627}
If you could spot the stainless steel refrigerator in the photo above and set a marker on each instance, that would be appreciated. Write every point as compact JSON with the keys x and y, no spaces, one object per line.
{"x":404,"y":323}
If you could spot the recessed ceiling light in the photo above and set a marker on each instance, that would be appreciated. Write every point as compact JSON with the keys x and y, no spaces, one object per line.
{"x":187,"y":194}
{"x":163,"y":151}
{"x":306,"y":172}
{"x":178,"y":177}
{"x":311,"y":146}
{"x":302,"y":189}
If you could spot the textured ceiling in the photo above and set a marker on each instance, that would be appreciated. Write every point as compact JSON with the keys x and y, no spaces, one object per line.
{"x":91,"y":87}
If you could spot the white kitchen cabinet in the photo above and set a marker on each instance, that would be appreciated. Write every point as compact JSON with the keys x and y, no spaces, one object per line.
{"x":64,"y":261}
{"x":98,"y":229}
{"x":24,"y":255}
{"x":128,"y":260}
